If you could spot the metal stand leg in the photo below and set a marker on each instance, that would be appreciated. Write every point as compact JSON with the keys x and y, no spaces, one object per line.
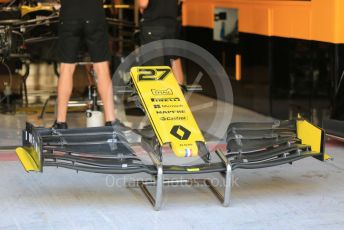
{"x":157,"y":201}
{"x":25,"y":93}
{"x":225,"y":199}
{"x":24,"y":78}
{"x":45,"y":106}
{"x":159,"y":183}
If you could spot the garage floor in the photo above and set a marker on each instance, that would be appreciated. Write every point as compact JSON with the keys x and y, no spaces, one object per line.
{"x":305,"y":195}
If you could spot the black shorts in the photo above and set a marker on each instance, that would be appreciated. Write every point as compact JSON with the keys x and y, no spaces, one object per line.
{"x":155,"y":33}
{"x":75,"y":33}
{"x":151,"y":33}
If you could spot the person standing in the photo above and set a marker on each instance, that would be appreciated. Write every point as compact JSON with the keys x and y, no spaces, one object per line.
{"x":158,"y":22}
{"x":83,"y":21}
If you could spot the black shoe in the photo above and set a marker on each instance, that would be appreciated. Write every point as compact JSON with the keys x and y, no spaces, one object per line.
{"x":116,"y":124}
{"x":110,"y":123}
{"x":60,"y":125}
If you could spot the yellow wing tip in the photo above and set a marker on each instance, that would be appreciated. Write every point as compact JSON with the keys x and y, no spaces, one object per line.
{"x":327,"y":157}
{"x":26,"y":159}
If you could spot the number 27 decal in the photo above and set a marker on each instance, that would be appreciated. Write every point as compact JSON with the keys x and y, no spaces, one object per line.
{"x":153,"y":74}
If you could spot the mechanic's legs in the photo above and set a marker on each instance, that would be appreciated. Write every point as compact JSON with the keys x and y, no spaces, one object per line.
{"x":64,"y":90}
{"x":105,"y":89}
{"x":178,"y":70}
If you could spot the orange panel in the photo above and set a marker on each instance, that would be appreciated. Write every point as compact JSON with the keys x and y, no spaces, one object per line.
{"x":321,"y":20}
{"x":200,"y":14}
{"x":339,"y":21}
{"x":256,"y":19}
{"x":296,"y":25}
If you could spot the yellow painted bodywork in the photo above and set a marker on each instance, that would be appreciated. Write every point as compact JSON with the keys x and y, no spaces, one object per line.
{"x":311,"y":135}
{"x":29,"y":159}
{"x":167,"y":109}
{"x":118,"y":6}
{"x":193,"y":169}
{"x":24,"y":10}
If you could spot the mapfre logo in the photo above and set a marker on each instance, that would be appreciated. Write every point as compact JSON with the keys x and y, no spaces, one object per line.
{"x":162,"y":92}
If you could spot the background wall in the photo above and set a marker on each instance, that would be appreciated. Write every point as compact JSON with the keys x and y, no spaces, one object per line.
{"x":291,"y":52}
{"x":320,"y":20}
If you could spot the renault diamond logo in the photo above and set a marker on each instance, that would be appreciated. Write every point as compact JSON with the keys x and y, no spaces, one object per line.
{"x":180,"y":132}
